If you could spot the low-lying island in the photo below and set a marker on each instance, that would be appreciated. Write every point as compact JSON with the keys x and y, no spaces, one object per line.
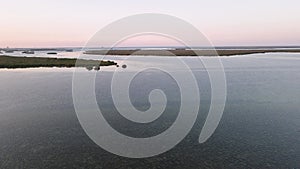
{"x":188,"y":52}
{"x":11,"y":62}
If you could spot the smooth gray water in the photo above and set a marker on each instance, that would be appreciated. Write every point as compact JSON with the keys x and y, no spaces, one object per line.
{"x":260,"y":127}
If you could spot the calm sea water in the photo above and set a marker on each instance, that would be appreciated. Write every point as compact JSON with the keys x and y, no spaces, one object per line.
{"x":260,"y":127}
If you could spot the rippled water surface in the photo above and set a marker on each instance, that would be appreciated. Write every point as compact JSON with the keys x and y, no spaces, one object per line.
{"x":260,"y":127}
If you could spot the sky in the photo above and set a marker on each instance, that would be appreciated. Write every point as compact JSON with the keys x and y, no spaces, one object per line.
{"x":71,"y":23}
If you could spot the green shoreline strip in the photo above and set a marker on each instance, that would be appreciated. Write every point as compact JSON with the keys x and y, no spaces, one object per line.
{"x":12,"y":62}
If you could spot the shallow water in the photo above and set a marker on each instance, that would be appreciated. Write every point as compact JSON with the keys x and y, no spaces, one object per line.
{"x":260,"y":127}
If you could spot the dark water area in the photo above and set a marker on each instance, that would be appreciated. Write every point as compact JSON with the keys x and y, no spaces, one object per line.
{"x":260,"y":127}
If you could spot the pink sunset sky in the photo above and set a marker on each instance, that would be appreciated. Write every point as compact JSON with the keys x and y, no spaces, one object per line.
{"x":70,"y":23}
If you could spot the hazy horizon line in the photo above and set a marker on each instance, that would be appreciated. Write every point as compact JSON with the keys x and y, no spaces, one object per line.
{"x":219,"y":46}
